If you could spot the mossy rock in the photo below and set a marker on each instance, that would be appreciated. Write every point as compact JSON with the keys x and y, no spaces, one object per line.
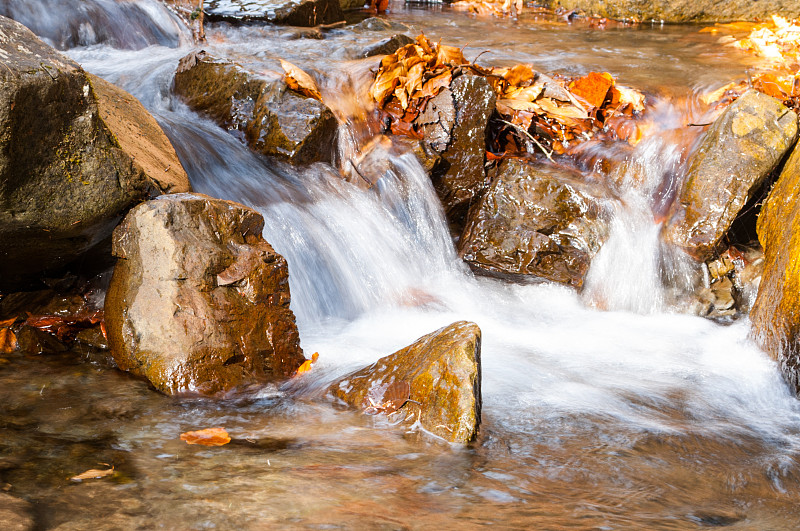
{"x":443,"y":370}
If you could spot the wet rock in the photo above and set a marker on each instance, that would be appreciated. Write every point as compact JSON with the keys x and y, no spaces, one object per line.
{"x":92,"y":337}
{"x":380,"y":24}
{"x":289,"y":12}
{"x":739,"y":151}
{"x":683,"y":10}
{"x":454,"y":131}
{"x":265,"y":113}
{"x":75,"y":154}
{"x":16,"y":514}
{"x":387,"y":45}
{"x":34,"y":341}
{"x":350,"y":5}
{"x":534,"y":220}
{"x":442,"y":370}
{"x":198,"y":300}
{"x":774,"y":316}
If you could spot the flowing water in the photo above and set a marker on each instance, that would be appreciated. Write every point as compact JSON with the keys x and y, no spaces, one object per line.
{"x":629,"y":418}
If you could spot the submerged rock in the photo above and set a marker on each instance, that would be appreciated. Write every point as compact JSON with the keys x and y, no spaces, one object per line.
{"x":387,"y":45}
{"x":740,"y":150}
{"x":271,"y":118}
{"x":683,"y":10}
{"x":75,"y":154}
{"x":442,"y":376}
{"x":534,"y":220}
{"x":775,"y":317}
{"x":289,"y":12}
{"x":453,"y":126}
{"x":198,"y":300}
{"x":16,"y":514}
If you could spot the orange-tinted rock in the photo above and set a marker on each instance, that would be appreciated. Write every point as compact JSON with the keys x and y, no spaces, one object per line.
{"x":740,"y":150}
{"x":534,"y":221}
{"x":776,"y":312}
{"x":684,"y":10}
{"x":199,"y":301}
{"x":443,"y":373}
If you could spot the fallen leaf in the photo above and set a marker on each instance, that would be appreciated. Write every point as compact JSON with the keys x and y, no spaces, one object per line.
{"x":593,"y":87}
{"x":306,"y":365}
{"x":94,"y":473}
{"x":8,"y":341}
{"x":207,"y":437}
{"x":299,"y":81}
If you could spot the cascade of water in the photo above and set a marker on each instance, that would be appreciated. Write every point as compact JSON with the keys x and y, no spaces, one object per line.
{"x":126,"y":24}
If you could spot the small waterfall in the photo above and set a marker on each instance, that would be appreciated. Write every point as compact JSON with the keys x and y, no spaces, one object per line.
{"x":126,"y":24}
{"x":635,"y":270}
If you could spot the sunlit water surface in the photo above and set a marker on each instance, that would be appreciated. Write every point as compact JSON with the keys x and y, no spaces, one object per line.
{"x":635,"y":417}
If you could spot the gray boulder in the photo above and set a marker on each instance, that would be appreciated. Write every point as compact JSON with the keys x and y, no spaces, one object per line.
{"x":534,"y":220}
{"x":271,"y":118}
{"x":75,"y":154}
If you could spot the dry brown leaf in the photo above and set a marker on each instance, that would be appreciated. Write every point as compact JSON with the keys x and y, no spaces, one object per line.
{"x":8,"y":341}
{"x":94,"y":473}
{"x":449,"y":55}
{"x":632,"y":97}
{"x":434,"y":85}
{"x":207,"y":437}
{"x":559,"y":112}
{"x":299,"y":81}
{"x":516,"y":105}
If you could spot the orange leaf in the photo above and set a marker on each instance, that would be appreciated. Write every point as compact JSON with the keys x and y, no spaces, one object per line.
{"x":8,"y":322}
{"x":306,"y":366}
{"x":93,"y":473}
{"x":300,"y":81}
{"x":593,"y":87}
{"x":207,"y":437}
{"x":8,"y":340}
{"x":449,"y":55}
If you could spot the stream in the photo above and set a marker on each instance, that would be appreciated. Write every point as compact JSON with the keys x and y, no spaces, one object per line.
{"x":633,"y":417}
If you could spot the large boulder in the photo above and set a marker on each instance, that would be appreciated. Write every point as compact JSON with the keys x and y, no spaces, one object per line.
{"x":75,"y":154}
{"x":740,"y":150}
{"x":198,"y":301}
{"x":535,"y":220}
{"x":683,"y":10}
{"x":441,"y":373}
{"x":272,"y":119}
{"x":289,"y":12}
{"x":453,"y":127}
{"x":774,"y":316}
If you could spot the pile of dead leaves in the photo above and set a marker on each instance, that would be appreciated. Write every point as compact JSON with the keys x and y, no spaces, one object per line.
{"x":556,"y":112}
{"x":779,"y":43}
{"x":537,"y":112}
{"x":410,"y":77}
{"x":500,"y":8}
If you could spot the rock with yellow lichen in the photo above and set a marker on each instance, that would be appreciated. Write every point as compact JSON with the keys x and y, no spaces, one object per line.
{"x":442,"y":370}
{"x":739,"y":151}
{"x":775,"y":317}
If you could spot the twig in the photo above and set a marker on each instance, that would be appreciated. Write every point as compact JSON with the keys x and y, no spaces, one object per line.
{"x":518,"y":128}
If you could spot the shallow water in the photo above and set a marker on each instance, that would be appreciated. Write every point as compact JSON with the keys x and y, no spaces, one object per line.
{"x":631,"y":418}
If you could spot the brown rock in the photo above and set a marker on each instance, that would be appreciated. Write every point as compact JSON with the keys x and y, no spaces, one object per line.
{"x":289,"y":12}
{"x":537,"y":221}
{"x":442,"y":370}
{"x":72,"y":160}
{"x":271,"y":118}
{"x":198,"y":300}
{"x":454,"y":131}
{"x":739,"y":151}
{"x":774,"y":316}
{"x":387,"y":45}
{"x":15,"y":513}
{"x":684,"y":10}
